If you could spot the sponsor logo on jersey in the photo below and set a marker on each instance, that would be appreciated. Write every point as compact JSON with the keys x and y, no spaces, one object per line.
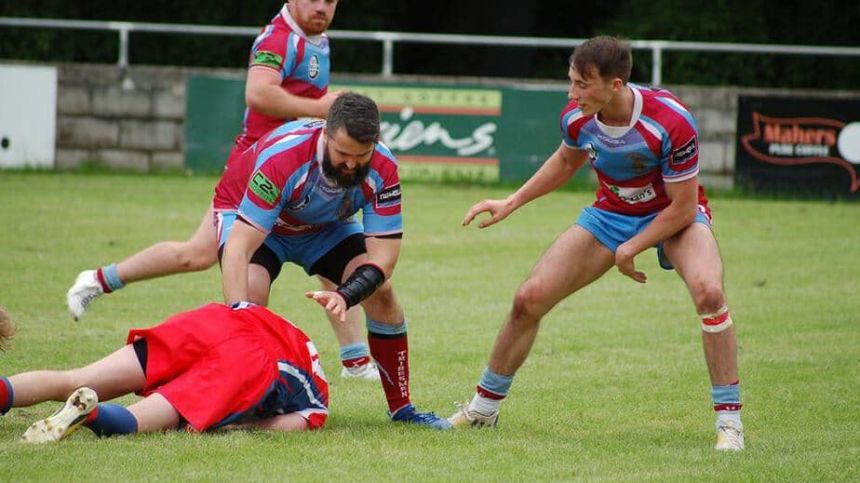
{"x":269,"y":59}
{"x":279,"y":223}
{"x":389,"y":196}
{"x":592,"y":153}
{"x":264,"y":188}
{"x":685,"y":153}
{"x":314,"y":67}
{"x":314,"y":124}
{"x":633,"y":195}
{"x":606,"y":139}
{"x":329,"y":188}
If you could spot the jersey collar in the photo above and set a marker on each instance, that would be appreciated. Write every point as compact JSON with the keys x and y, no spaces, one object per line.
{"x":618,"y":131}
{"x":314,"y":39}
{"x":322,"y":145}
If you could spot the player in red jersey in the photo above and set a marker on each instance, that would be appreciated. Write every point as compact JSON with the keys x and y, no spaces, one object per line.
{"x":643,"y":145}
{"x":216,"y":366}
{"x":288,"y":77}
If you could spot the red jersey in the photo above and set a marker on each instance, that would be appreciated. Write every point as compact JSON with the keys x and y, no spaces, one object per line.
{"x":218,"y":365}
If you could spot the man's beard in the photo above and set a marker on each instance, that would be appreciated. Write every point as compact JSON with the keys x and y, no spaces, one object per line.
{"x":344,"y":180}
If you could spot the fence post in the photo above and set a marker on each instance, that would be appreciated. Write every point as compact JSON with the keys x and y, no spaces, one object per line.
{"x":387,"y":57}
{"x":123,"y":48}
{"x":656,"y":64}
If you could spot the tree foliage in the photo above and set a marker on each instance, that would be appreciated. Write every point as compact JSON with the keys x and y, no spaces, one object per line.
{"x":752,"y":21}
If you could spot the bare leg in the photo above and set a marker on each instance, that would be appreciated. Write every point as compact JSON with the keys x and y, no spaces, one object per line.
{"x":696,"y":257}
{"x":259,"y":284}
{"x":113,"y":376}
{"x":382,"y":306}
{"x":573,"y":261}
{"x":351,"y":331}
{"x":154,"y":413}
{"x":169,"y":257}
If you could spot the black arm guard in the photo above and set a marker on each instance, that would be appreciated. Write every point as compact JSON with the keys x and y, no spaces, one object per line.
{"x":363,"y":282}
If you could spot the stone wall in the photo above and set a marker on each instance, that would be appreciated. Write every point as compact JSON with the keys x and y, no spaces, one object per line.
{"x":136,"y":121}
{"x":133,"y":122}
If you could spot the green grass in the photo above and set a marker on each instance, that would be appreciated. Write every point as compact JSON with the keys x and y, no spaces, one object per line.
{"x":615,"y":388}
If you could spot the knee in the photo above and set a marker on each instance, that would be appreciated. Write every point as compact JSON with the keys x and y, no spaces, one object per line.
{"x":383,"y":297}
{"x":708,"y":297}
{"x":73,"y":379}
{"x":194,"y":258}
{"x":382,"y":305}
{"x":528,"y":303}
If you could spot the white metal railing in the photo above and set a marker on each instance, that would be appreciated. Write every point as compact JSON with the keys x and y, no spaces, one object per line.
{"x":388,"y":39}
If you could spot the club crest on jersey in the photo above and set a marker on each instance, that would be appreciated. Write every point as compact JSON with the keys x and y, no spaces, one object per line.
{"x":685,"y":153}
{"x":345,"y":210}
{"x":637,"y":162}
{"x":314,"y":66}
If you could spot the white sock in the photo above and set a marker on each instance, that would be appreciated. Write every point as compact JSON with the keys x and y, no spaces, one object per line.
{"x":485,"y":405}
{"x":733,"y":416}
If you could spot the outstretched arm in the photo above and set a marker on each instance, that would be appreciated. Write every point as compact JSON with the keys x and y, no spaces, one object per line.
{"x":556,"y":171}
{"x":366,"y":275}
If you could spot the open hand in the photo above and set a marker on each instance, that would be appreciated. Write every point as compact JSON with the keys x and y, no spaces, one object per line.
{"x":624,"y":262}
{"x":498,"y":210}
{"x":333,"y":302}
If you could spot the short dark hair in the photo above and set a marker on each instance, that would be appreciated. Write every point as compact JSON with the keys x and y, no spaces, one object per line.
{"x":610,"y":56}
{"x":356,"y":113}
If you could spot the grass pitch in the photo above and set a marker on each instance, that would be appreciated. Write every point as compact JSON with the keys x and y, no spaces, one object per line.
{"x":615,"y":388}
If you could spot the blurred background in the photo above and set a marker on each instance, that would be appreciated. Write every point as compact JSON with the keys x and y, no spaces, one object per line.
{"x":150,"y":92}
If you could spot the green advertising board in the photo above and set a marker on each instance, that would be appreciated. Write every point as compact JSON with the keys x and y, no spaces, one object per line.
{"x":214,"y":110}
{"x":512,"y":128}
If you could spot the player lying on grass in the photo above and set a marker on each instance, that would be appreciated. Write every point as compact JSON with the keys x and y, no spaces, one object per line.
{"x":214,"y":366}
{"x":287,"y":79}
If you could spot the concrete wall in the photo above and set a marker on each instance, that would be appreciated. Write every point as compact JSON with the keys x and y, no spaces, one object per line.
{"x":131,"y":122}
{"x":136,"y":121}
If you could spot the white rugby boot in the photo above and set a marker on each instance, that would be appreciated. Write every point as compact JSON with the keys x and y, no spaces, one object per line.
{"x":65,"y":421}
{"x":469,"y":417}
{"x":730,"y":436}
{"x":367,"y":371}
{"x":86,"y":289}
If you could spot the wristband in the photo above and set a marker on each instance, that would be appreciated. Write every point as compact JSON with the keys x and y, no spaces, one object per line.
{"x":363,"y":282}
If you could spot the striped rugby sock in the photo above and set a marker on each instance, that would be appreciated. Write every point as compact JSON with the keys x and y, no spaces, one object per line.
{"x":108,"y":277}
{"x":354,"y":355}
{"x":727,"y":402}
{"x":490,"y":392}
